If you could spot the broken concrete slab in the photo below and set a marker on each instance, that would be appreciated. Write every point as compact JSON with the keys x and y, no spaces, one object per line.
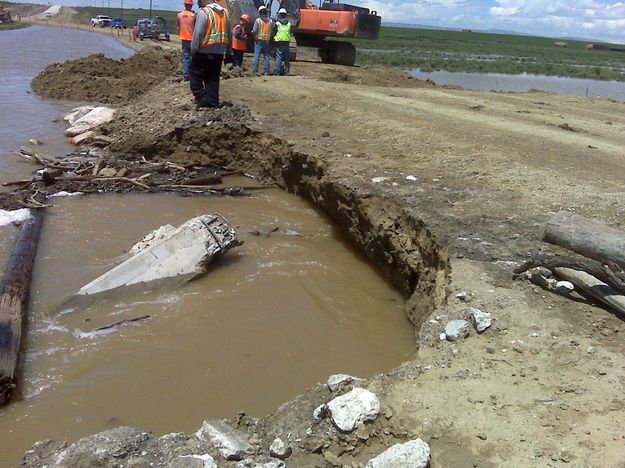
{"x":415,"y":454}
{"x":354,"y":408}
{"x":231,"y":443}
{"x":91,"y":120}
{"x":14,"y":217}
{"x":182,"y":254}
{"x":77,"y":113}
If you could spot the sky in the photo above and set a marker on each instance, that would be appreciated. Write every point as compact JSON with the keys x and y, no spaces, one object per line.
{"x":595,"y":19}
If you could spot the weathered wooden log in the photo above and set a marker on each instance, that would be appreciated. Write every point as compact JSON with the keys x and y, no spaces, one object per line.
{"x":586,"y":237}
{"x":121,"y":323}
{"x":591,"y":286}
{"x":206,"y":180}
{"x":13,"y":300}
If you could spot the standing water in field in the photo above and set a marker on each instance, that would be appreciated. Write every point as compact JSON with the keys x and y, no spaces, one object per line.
{"x":523,"y":83}
{"x":270,"y":319}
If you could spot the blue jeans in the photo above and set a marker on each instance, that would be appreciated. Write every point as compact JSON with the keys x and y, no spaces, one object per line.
{"x":283,"y":54}
{"x":261,"y":47}
{"x":186,"y":59}
{"x":237,"y":58}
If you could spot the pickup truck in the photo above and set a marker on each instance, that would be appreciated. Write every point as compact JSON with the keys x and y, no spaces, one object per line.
{"x":119,"y":23}
{"x":101,"y":20}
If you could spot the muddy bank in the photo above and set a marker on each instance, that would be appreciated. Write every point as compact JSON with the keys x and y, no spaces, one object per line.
{"x":529,"y":390}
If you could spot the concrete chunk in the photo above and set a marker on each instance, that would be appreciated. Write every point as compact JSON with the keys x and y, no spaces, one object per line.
{"x":336,"y":381}
{"x":193,"y":461}
{"x":96,"y":117}
{"x":181,"y":254}
{"x":481,"y":320}
{"x":415,"y":454}
{"x":231,"y":443}
{"x":354,"y":408}
{"x":457,"y":330}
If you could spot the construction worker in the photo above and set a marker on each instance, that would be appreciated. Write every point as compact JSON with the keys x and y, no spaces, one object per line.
{"x":239,"y":40}
{"x":186,"y":23}
{"x":211,"y":39}
{"x":262,"y":31}
{"x":282,"y":38}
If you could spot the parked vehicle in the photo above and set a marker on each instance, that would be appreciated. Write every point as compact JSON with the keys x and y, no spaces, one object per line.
{"x":155,"y":28}
{"x":101,"y":20}
{"x":48,"y":15}
{"x":119,"y":23}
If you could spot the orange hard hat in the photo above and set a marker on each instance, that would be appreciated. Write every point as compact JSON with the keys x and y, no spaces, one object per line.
{"x":245,"y":17}
{"x":188,"y":2}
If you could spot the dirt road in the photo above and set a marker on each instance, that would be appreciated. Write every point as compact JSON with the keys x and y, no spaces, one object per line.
{"x":412,"y":171}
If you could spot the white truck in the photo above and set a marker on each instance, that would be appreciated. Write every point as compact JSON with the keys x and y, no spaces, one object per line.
{"x":101,"y":20}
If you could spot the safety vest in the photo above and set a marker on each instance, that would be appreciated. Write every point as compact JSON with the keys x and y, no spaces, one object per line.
{"x":264,"y":30}
{"x":216,"y":27}
{"x":186,"y":23}
{"x":284,"y":32}
{"x":238,"y":44}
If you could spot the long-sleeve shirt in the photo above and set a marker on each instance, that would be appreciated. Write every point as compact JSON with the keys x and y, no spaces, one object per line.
{"x":201,"y":21}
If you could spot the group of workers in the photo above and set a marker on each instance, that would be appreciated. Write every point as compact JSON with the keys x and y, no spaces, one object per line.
{"x":207,"y":42}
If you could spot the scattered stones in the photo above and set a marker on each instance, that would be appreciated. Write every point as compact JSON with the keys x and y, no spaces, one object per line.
{"x":231,"y":443}
{"x":564,"y":287}
{"x":193,"y":461}
{"x":354,"y":408}
{"x":481,"y":320}
{"x":415,"y":454}
{"x":336,"y":381}
{"x":279,"y":449}
{"x":457,"y":330}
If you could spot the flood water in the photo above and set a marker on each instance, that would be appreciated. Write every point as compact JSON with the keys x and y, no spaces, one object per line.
{"x":523,"y":83}
{"x":24,"y":115}
{"x":272,"y":317}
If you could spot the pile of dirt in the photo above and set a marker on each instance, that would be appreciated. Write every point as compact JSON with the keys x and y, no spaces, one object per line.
{"x":97,"y":78}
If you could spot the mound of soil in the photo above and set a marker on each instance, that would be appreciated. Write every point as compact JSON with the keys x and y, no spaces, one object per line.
{"x":97,"y":78}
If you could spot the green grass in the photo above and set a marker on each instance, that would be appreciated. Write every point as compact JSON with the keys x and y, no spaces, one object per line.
{"x":497,"y":53}
{"x":9,"y":26}
{"x":130,"y":15}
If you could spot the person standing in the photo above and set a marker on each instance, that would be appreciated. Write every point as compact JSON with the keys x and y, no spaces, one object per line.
{"x":282,"y":39}
{"x":262,"y":31}
{"x":186,"y":23}
{"x":239,"y":40}
{"x":211,"y":39}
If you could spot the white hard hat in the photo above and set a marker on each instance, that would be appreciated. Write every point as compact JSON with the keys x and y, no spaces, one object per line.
{"x":282,"y":11}
{"x":261,"y":8}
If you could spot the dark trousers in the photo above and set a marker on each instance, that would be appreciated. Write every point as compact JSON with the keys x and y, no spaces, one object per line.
{"x":237,"y":58}
{"x":204,"y":73}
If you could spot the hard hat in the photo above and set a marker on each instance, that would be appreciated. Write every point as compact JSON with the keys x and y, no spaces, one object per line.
{"x":262,"y":8}
{"x":245,"y":17}
{"x":188,"y":2}
{"x":282,"y":11}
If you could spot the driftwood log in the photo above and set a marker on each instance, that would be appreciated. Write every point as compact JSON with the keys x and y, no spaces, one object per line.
{"x":13,"y":300}
{"x":586,"y":237}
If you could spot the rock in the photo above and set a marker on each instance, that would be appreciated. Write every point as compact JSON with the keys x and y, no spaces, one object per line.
{"x":77,"y":113}
{"x":193,"y":461}
{"x":481,"y":320}
{"x":564,"y":287}
{"x":415,"y":454}
{"x":96,"y":117}
{"x":481,"y":436}
{"x":123,"y":172}
{"x":320,"y":412}
{"x":279,"y":449}
{"x":35,"y":142}
{"x":354,"y":408}
{"x":14,"y":217}
{"x":252,"y":464}
{"x":336,"y":381}
{"x":411,"y":178}
{"x":442,"y":337}
{"x":182,"y":254}
{"x":231,"y":443}
{"x":463,"y":296}
{"x":519,"y":346}
{"x":107,"y":172}
{"x":377,"y":180}
{"x":457,"y":330}
{"x":83,"y":138}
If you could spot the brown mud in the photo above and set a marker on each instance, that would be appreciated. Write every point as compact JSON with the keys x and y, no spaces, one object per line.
{"x":544,"y":386}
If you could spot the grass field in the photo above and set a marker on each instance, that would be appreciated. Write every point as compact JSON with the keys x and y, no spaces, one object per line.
{"x":9,"y":26}
{"x":479,"y":52}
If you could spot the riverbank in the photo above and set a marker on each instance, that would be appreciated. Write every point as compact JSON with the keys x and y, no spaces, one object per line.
{"x":427,"y":182}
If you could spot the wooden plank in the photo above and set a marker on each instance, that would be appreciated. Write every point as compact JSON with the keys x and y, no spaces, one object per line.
{"x":587,"y":237}
{"x":595,"y":288}
{"x":14,"y":290}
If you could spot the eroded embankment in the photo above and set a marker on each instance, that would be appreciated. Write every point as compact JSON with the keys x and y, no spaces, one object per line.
{"x":162,"y":125}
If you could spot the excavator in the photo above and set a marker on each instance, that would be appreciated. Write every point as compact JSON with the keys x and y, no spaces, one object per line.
{"x":324,"y":27}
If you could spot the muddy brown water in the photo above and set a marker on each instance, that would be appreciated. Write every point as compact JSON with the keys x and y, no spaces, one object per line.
{"x":272,"y":317}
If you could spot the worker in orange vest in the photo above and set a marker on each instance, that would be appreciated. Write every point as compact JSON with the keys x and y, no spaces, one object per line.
{"x":239,"y":40}
{"x":211,"y":40}
{"x":186,"y":23}
{"x":262,"y":31}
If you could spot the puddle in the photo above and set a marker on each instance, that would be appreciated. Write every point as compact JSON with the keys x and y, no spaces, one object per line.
{"x":524,"y":82}
{"x":272,"y":318}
